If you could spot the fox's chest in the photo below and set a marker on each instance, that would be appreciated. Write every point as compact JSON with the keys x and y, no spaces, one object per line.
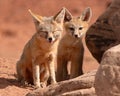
{"x":67,"y":52}
{"x":69,"y":49}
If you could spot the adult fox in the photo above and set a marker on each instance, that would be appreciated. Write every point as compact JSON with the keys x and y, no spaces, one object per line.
{"x":71,"y":48}
{"x":36,"y":64}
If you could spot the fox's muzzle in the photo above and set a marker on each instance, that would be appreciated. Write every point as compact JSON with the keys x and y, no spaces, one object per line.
{"x":50,"y":39}
{"x":76,"y":36}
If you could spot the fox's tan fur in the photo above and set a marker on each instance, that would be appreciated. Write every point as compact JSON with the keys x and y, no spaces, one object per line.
{"x":71,"y":46}
{"x":36,"y":64}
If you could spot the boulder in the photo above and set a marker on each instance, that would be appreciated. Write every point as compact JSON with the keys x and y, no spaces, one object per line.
{"x":107,"y":79}
{"x":105,"y":32}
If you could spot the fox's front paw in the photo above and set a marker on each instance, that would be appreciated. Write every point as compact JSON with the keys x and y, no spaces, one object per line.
{"x":37,"y":85}
{"x":43,"y":84}
{"x":53,"y":82}
{"x":24,"y":82}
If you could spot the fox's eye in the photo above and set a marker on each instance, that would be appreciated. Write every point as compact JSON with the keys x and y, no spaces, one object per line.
{"x":80,"y":28}
{"x":56,"y":34}
{"x":71,"y":28}
{"x":43,"y":34}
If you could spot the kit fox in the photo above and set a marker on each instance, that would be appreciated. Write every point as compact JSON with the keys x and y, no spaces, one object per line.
{"x":71,"y":48}
{"x":36,"y":64}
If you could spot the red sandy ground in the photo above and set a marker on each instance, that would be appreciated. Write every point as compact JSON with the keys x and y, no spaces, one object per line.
{"x":16,"y":28}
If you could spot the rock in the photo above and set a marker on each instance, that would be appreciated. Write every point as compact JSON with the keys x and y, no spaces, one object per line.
{"x":105,"y":32}
{"x":72,"y":87}
{"x":107,"y":79}
{"x":82,"y":92}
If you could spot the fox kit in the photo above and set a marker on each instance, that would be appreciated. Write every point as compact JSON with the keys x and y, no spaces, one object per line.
{"x":71,"y":48}
{"x":36,"y":64}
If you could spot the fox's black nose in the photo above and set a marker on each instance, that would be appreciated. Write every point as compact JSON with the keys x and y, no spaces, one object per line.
{"x":76,"y":36}
{"x":50,"y":39}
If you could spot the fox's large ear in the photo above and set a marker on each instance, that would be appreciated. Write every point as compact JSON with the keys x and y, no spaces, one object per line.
{"x":37,"y":19}
{"x":86,"y":15}
{"x":59,"y":17}
{"x":68,"y":15}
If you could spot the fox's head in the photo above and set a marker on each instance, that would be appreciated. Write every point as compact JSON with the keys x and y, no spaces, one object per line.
{"x":49,"y":28}
{"x":76,"y":27}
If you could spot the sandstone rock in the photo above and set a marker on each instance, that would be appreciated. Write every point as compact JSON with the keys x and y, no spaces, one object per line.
{"x":107,"y":79}
{"x":105,"y":32}
{"x":82,"y":92}
{"x":77,"y":86}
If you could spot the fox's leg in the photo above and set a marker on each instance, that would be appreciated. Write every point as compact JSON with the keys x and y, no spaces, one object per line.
{"x":19,"y":71}
{"x":22,"y":74}
{"x":44,"y":75}
{"x":36,"y":75}
{"x":76,"y":68}
{"x":43,"y":79}
{"x":62,"y":72}
{"x":76,"y":64}
{"x":26,"y":76}
{"x":52,"y":72}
